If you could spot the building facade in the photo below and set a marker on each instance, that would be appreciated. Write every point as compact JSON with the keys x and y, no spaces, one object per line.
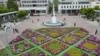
{"x":5,"y":17}
{"x":3,"y":3}
{"x":35,"y":7}
{"x":73,"y":6}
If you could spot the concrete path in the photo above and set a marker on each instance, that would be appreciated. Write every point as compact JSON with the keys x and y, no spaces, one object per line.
{"x":70,"y":20}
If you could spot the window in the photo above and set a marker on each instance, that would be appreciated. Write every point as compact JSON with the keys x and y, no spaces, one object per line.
{"x":81,"y":6}
{"x":61,"y":6}
{"x":84,"y":6}
{"x":70,"y":6}
{"x":78,"y":6}
{"x":87,"y":6}
{"x":66,"y":3}
{"x":76,"y":2}
{"x":83,"y":2}
{"x":64,"y":6}
{"x":43,"y":11}
{"x":67,"y":6}
{"x":75,"y":6}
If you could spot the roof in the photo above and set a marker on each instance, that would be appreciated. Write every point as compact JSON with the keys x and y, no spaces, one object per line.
{"x":72,"y":0}
{"x":7,"y":13}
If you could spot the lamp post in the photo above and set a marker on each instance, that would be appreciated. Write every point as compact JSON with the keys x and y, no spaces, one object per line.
{"x":7,"y":42}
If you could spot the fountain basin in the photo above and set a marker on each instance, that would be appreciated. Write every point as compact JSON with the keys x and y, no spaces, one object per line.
{"x":49,"y":23}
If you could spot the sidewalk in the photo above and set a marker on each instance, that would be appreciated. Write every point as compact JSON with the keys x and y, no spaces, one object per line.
{"x":70,"y":20}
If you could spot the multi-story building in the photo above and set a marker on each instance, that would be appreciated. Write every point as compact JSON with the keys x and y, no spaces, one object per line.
{"x":73,"y":6}
{"x":95,"y":3}
{"x":35,"y":7}
{"x":3,"y":3}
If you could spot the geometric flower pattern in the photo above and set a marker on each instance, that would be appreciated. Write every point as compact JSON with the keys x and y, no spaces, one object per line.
{"x":68,"y":41}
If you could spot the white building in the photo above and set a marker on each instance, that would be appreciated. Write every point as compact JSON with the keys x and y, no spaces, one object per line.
{"x":73,"y":6}
{"x":35,"y":7}
{"x":95,"y":3}
{"x":3,"y":3}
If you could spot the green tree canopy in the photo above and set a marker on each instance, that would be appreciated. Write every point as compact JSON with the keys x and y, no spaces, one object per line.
{"x":88,"y":12}
{"x":11,"y":4}
{"x":3,"y":9}
{"x":83,"y":11}
{"x":21,"y":14}
{"x":55,"y":2}
{"x":50,"y":7}
{"x":96,"y":8}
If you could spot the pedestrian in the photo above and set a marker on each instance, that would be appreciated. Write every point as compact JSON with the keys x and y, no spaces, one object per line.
{"x":13,"y":30}
{"x":17,"y":31}
{"x":64,"y":19}
{"x":74,"y":24}
{"x":96,"y":32}
{"x":32,"y":21}
{"x":38,"y":19}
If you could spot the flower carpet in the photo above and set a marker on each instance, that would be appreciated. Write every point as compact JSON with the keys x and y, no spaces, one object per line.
{"x":69,"y":41}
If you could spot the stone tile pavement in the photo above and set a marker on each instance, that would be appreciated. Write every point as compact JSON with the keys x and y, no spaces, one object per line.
{"x":70,"y":20}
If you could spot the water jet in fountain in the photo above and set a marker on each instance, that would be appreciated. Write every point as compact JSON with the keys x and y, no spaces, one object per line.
{"x":54,"y":21}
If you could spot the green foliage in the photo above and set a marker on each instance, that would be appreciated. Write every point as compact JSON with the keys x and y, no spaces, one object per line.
{"x":15,"y":20}
{"x":50,"y":7}
{"x":55,"y":2}
{"x":3,"y":9}
{"x":96,"y":8}
{"x":88,"y":12}
{"x":11,"y":4}
{"x":21,"y":14}
{"x":83,"y":11}
{"x":11,"y":9}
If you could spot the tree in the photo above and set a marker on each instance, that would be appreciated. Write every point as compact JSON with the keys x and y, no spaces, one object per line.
{"x":3,"y":9}
{"x":11,"y":9}
{"x":21,"y":14}
{"x":55,"y":2}
{"x":11,"y":4}
{"x":96,"y":8}
{"x":50,"y":7}
{"x":88,"y":12}
{"x":83,"y":11}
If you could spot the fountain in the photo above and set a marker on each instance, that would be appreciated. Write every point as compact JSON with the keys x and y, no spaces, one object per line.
{"x":53,"y":21}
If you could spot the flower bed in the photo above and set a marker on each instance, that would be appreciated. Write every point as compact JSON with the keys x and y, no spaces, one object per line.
{"x":17,"y":39}
{"x":29,"y":33}
{"x":93,"y":38}
{"x":43,"y":30}
{"x":80,"y":33}
{"x":54,"y":46}
{"x":49,"y":42}
{"x":54,"y":34}
{"x":20,"y":47}
{"x":4,"y":52}
{"x":68,"y":39}
{"x":67,"y":30}
{"x":34,"y":52}
{"x":40,"y":39}
{"x":90,"y":46}
{"x":74,"y":52}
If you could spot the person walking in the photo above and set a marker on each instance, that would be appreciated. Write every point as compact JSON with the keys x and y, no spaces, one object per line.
{"x":13,"y":30}
{"x":64,"y":19}
{"x":17,"y":31}
{"x":38,"y":19}
{"x":96,"y":32}
{"x":74,"y":24}
{"x":32,"y":21}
